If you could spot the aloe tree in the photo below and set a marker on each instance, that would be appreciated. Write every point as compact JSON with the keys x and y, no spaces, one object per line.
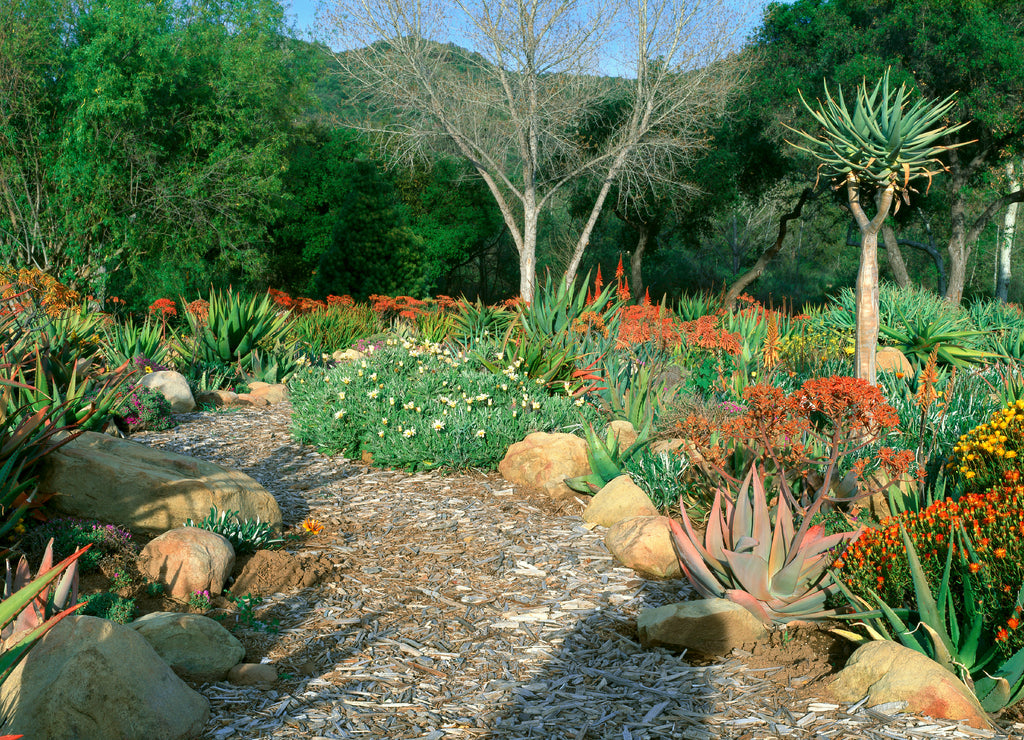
{"x":876,"y":148}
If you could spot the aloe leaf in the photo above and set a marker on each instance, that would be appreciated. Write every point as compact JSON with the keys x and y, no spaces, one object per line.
{"x":694,"y":565}
{"x":749,"y":603}
{"x":926,"y":605}
{"x":749,"y":573}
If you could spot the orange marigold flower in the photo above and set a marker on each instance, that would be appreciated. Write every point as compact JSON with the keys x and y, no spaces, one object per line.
{"x":974,"y":567}
{"x":312,"y":526}
{"x":1013,"y":623}
{"x":1002,"y":634}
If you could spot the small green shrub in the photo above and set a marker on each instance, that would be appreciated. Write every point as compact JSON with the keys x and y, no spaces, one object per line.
{"x":106,"y":605}
{"x":418,"y":408}
{"x":147,"y":408}
{"x":245,"y":536}
{"x":336,"y":328}
{"x":70,"y":534}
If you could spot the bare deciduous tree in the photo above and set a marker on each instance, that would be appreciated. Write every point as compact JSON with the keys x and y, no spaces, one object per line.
{"x":517,"y":105}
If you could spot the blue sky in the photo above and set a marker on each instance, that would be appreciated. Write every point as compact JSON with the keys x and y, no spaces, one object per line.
{"x":302,"y":13}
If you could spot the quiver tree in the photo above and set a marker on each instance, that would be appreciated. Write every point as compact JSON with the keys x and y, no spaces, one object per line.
{"x":875,"y":150}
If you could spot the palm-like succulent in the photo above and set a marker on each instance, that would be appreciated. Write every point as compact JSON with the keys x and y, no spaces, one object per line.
{"x":880,"y":142}
{"x":777,"y":572}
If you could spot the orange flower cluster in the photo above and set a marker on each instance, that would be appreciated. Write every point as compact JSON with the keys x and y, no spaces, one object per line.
{"x":589,"y":321}
{"x":706,"y":334}
{"x":994,"y":522}
{"x":35,"y":285}
{"x":299,"y":306}
{"x":646,"y":323}
{"x":402,"y":306}
{"x":797,"y":433}
{"x":199,"y":309}
{"x":164,"y":308}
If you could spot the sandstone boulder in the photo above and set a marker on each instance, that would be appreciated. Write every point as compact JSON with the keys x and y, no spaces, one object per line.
{"x":620,"y":499}
{"x":188,"y":559}
{"x":97,"y":476}
{"x":708,"y":626}
{"x":194,"y":646}
{"x":544,"y":461}
{"x":252,"y":674}
{"x":91,"y":679}
{"x":624,"y":433}
{"x":217,"y":398}
{"x":644,"y":543}
{"x":251,"y":399}
{"x":666,"y":445}
{"x":885,"y":671}
{"x":347,"y":355}
{"x":271,"y":393}
{"x":892,"y":360}
{"x":174,"y":388}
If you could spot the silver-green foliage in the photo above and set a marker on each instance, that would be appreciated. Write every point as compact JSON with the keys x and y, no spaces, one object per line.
{"x":245,"y":536}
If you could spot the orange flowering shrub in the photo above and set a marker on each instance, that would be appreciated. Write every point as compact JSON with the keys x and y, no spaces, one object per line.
{"x":32,"y":284}
{"x":199,"y":308}
{"x":706,"y":333}
{"x":163,"y":308}
{"x":402,"y":306}
{"x":994,"y":522}
{"x":647,"y":323}
{"x":811,"y":429}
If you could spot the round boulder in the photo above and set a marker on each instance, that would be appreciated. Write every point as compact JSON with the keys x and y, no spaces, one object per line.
{"x":544,"y":461}
{"x":194,"y":646}
{"x":92,"y":679}
{"x":174,"y":388}
{"x":187,"y":560}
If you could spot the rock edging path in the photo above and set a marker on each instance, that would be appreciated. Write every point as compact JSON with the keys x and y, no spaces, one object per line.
{"x":456,"y":607}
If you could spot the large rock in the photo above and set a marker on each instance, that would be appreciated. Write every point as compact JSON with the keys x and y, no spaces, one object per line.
{"x":892,"y":360}
{"x":708,"y":626}
{"x":194,"y":646}
{"x":174,"y":388}
{"x":188,"y":559}
{"x":644,"y":543}
{"x":91,"y":679}
{"x":271,"y":393}
{"x":624,"y":433}
{"x":544,"y":461}
{"x":620,"y":499}
{"x":98,"y":476}
{"x":885,"y":671}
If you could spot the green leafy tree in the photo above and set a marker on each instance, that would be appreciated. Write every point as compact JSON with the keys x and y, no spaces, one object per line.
{"x":372,"y":249}
{"x":158,"y":134}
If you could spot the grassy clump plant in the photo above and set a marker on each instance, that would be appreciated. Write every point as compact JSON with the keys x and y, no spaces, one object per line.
{"x":245,"y":536}
{"x":70,"y":534}
{"x":424,"y":407}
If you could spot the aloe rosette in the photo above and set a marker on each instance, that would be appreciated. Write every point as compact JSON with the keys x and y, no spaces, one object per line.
{"x":777,"y":572}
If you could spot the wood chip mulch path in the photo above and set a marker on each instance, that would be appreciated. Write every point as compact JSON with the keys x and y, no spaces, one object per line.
{"x":457,"y":607}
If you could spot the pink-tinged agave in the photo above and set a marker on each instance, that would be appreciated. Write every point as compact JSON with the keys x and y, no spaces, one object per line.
{"x":773,"y":570}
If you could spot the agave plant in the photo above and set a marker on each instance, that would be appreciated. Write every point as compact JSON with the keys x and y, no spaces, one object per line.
{"x":606,"y":460}
{"x":123,"y":342}
{"x":884,"y":147}
{"x":31,"y":606}
{"x":235,"y":326}
{"x":948,"y":337}
{"x":777,"y":572}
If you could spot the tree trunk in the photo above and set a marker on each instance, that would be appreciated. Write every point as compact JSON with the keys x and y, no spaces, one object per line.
{"x":895,"y":257}
{"x":769,"y":254}
{"x":1009,"y":234}
{"x":636,"y":263}
{"x":528,"y":255}
{"x":867,"y":277}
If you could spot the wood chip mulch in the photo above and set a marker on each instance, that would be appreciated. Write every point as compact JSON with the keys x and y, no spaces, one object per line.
{"x":457,"y":607}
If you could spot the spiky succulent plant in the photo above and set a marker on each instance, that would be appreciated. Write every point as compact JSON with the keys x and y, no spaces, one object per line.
{"x":879,"y":142}
{"x":777,"y":572}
